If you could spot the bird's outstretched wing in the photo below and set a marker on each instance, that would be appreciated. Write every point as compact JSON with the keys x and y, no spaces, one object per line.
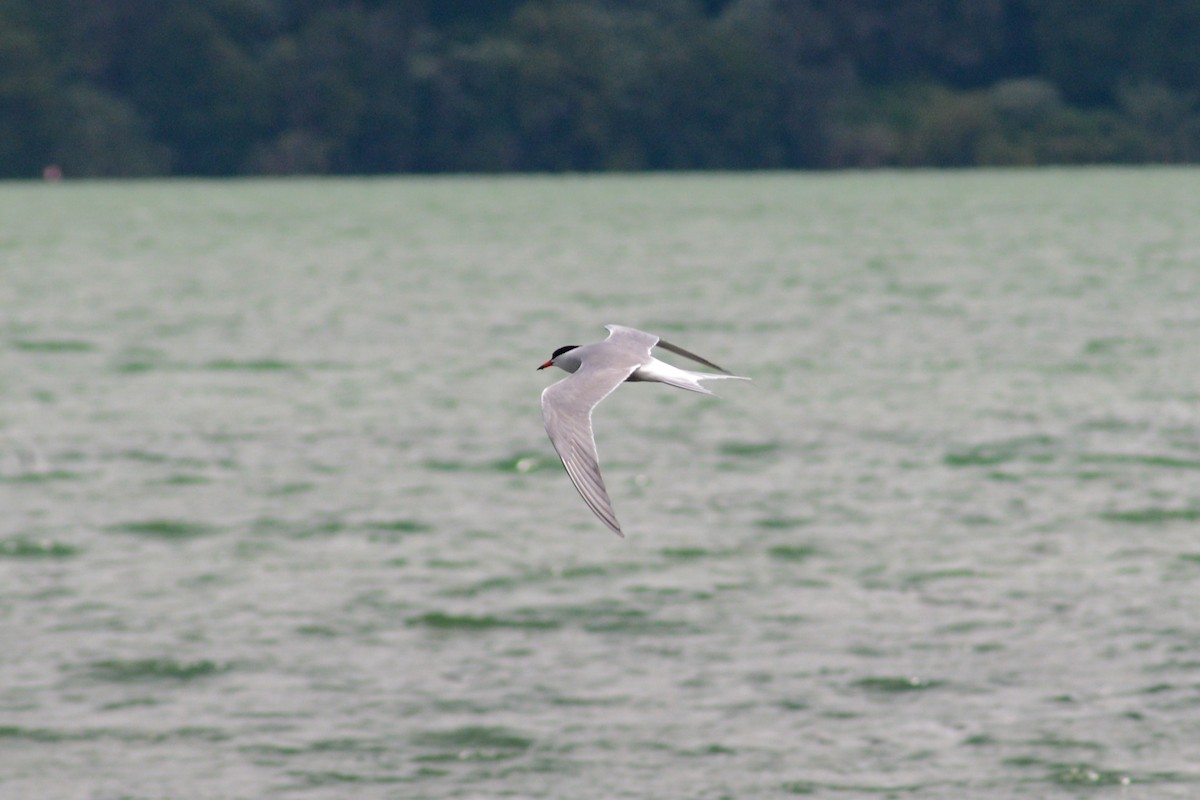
{"x":567,"y":412}
{"x":651,"y":340}
{"x":676,"y":349}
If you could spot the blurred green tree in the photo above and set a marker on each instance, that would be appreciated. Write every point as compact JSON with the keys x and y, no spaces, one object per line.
{"x":27,"y":103}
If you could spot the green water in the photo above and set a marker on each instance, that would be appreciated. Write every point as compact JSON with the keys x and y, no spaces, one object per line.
{"x":280,"y":519}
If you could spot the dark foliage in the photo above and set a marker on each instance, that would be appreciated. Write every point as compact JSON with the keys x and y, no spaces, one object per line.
{"x":222,"y":87}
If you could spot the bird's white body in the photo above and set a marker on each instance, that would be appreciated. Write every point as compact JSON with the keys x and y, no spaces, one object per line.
{"x":596,"y":370}
{"x":650,"y":370}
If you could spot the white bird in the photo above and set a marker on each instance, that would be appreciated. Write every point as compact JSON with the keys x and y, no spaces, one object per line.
{"x":596,"y":370}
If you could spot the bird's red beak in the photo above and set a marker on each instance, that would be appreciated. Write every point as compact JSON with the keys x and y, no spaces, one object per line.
{"x":549,"y":363}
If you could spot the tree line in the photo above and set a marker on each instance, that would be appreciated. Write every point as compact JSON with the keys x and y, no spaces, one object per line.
{"x":229,"y":87}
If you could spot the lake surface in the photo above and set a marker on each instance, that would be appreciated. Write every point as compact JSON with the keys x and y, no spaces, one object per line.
{"x":280,"y":518}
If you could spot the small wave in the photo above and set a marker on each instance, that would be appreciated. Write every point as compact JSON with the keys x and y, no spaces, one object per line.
{"x":473,"y":743}
{"x":170,"y":529}
{"x":748,"y":449}
{"x":892,"y":684}
{"x":23,"y":547}
{"x":987,"y":454}
{"x":120,"y":670}
{"x":439,"y":620}
{"x":53,"y":346}
{"x":252,"y":365}
{"x":792,"y":552}
{"x":1152,"y":516}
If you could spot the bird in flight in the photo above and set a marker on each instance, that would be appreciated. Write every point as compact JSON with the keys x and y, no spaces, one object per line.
{"x":596,"y":370}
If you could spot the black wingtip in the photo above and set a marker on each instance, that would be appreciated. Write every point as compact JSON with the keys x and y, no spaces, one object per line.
{"x":679,"y":351}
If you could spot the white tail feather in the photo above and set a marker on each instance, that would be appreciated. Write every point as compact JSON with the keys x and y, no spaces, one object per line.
{"x":662,"y":372}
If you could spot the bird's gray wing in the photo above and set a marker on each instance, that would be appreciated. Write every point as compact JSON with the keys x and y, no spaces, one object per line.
{"x":567,"y":411}
{"x":634,"y":335}
{"x":631,"y":339}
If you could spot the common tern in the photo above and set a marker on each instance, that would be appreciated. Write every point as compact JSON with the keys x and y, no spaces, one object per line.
{"x":596,"y":370}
